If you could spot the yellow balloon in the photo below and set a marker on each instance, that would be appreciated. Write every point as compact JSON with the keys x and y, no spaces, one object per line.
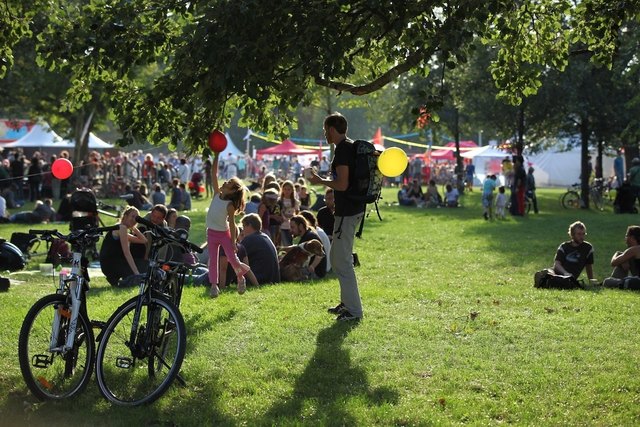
{"x":392,"y":162}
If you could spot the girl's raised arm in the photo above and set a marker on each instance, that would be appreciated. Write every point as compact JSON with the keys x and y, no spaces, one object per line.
{"x":214,"y":174}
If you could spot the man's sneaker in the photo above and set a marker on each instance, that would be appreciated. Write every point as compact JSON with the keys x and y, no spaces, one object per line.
{"x":540,"y":279}
{"x":214,"y":291}
{"x":242,"y":285}
{"x":345,"y":316}
{"x":337,"y":309}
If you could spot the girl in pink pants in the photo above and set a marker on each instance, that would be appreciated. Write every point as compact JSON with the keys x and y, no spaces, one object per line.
{"x":228,"y":200}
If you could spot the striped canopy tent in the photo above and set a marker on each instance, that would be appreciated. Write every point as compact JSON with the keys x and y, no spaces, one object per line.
{"x":287,"y":148}
{"x":447,"y":153}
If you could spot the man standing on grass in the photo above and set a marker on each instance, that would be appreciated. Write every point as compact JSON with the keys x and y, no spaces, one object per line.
{"x":348,"y":214}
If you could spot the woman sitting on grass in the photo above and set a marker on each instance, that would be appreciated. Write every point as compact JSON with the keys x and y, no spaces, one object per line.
{"x":116,"y":261}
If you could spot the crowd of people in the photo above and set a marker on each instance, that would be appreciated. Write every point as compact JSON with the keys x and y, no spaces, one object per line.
{"x":261,"y":239}
{"x":144,"y":179}
{"x":278,"y":238}
{"x":495,"y":201}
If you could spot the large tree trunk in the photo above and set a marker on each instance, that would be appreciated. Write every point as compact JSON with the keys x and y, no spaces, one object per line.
{"x":599,"y":156}
{"x":584,"y":174}
{"x":81,"y":132}
{"x":631,"y":150}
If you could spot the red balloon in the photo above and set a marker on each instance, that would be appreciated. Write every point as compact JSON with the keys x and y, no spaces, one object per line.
{"x":62,"y":168}
{"x":217,"y":141}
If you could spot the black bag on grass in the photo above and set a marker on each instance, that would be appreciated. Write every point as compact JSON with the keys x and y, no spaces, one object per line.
{"x":548,"y":279}
{"x":23,"y":241}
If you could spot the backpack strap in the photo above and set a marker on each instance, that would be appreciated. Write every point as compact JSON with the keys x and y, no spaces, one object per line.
{"x":359,"y":232}
{"x":338,"y":231}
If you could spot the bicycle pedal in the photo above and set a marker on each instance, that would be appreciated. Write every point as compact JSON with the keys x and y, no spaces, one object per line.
{"x":124,"y":362}
{"x":41,"y":360}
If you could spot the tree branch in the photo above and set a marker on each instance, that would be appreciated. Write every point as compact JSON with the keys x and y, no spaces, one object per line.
{"x":412,"y":60}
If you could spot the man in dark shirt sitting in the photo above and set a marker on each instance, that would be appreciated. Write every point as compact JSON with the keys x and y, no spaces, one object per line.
{"x":576,"y":254}
{"x":261,"y":252}
{"x":325,"y":216}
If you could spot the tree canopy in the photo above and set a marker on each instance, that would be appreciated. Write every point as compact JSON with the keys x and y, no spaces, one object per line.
{"x":212,"y":57}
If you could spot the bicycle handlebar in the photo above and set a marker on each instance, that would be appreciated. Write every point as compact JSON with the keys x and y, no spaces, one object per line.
{"x":93,"y":232}
{"x":166,"y":234}
{"x":43,"y":232}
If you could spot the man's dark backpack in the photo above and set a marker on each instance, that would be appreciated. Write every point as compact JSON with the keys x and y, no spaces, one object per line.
{"x":367,"y":184}
{"x":548,"y":279}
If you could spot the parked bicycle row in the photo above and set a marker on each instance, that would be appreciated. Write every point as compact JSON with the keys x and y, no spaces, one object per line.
{"x":137,"y":353}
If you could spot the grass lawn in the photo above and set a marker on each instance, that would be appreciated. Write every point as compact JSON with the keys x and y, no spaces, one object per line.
{"x":454,"y":333}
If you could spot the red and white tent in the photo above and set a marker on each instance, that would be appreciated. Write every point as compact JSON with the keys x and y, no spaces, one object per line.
{"x":447,"y":153}
{"x":287,"y":148}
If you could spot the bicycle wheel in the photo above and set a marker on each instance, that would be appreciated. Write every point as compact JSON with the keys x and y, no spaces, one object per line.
{"x":55,"y":375}
{"x":571,"y":200}
{"x":139,"y":372}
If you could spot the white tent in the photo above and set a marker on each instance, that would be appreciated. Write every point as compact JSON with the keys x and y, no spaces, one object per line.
{"x":96,"y":143}
{"x":40,"y":136}
{"x":487,"y":160}
{"x":555,"y":168}
{"x":231,"y":149}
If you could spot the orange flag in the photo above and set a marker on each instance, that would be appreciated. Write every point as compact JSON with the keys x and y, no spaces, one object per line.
{"x":378,"y":139}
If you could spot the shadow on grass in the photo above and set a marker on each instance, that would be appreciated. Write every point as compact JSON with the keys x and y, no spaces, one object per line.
{"x":322,"y":391}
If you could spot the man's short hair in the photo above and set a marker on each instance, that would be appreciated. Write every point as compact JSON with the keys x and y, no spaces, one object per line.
{"x":574,"y":226}
{"x":160,"y":208}
{"x":253,"y":220}
{"x":336,"y":121}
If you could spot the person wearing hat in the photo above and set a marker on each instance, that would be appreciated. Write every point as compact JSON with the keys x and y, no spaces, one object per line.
{"x":634,"y":177}
{"x":531,"y":189}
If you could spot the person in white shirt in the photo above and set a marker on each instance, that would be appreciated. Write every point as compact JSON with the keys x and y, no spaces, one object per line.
{"x":3,"y":208}
{"x":184,"y":171}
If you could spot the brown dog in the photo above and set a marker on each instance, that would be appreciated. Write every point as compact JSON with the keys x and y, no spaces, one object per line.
{"x":293,"y":266}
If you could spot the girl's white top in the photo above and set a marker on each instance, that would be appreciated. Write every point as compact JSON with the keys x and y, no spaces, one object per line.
{"x":217,"y":214}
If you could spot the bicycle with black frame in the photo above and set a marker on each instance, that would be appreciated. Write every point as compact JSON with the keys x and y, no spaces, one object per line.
{"x":142,"y":345}
{"x":56,"y":346}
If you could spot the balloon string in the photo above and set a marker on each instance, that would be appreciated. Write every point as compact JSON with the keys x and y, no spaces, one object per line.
{"x":12,"y":178}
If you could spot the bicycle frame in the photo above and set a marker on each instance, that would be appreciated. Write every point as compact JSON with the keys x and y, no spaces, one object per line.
{"x":150,"y":284}
{"x":73,"y":284}
{"x":56,"y":347}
